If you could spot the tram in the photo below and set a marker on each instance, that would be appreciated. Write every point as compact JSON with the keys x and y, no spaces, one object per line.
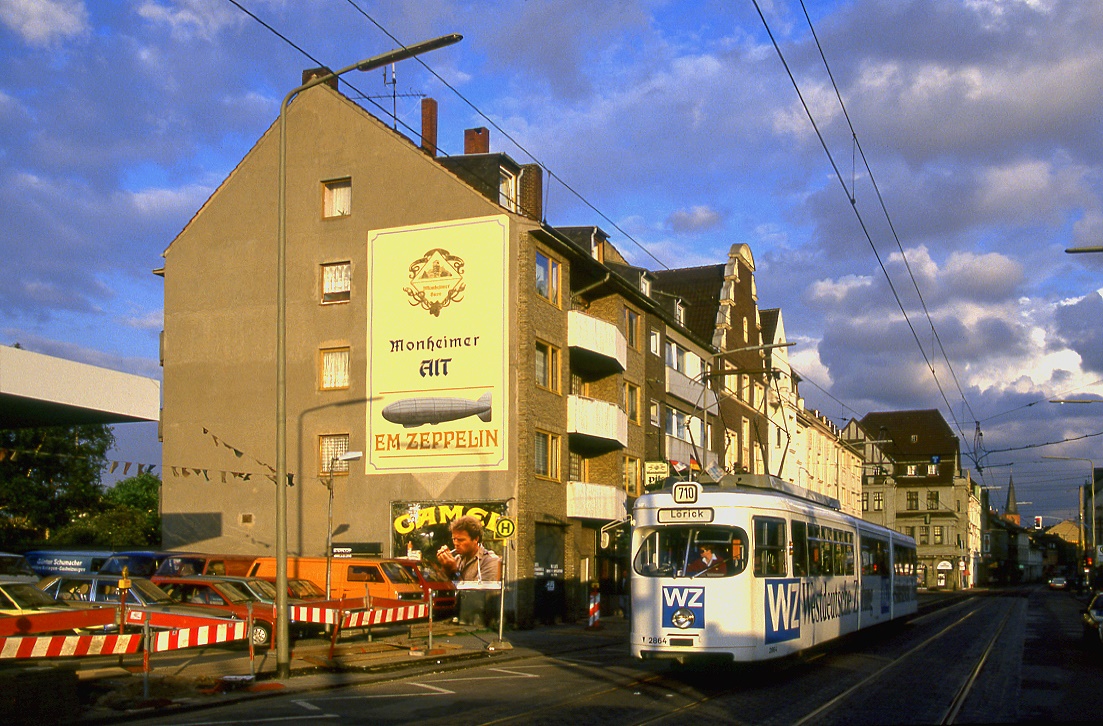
{"x":752,"y":568}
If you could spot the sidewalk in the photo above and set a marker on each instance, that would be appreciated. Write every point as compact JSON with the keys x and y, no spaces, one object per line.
{"x":113,"y":694}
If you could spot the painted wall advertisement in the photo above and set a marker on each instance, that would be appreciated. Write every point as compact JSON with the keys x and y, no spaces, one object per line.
{"x":420,"y":528}
{"x":438,"y":337}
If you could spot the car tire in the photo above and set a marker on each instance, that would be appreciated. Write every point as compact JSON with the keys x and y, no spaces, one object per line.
{"x":261,"y":634}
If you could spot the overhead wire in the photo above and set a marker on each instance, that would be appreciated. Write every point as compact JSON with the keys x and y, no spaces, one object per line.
{"x":861,"y":221}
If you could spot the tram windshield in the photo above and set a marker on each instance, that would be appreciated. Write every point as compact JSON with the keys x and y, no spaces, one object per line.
{"x":692,"y":552}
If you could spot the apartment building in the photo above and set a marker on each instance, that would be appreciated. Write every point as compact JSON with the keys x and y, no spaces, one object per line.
{"x":448,"y":353}
{"x":913,"y":482}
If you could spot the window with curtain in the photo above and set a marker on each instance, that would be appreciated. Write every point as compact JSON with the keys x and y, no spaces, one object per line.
{"x":335,"y":368}
{"x":337,"y":198}
{"x":336,"y":282}
{"x":330,"y":446}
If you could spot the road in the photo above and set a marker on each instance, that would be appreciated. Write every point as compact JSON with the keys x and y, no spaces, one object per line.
{"x":1005,"y":657}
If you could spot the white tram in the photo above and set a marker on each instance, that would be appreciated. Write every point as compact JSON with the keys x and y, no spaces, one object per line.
{"x":753,"y":568}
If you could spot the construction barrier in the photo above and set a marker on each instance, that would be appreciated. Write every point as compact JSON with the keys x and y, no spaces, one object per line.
{"x":359,"y":617}
{"x":57,"y":620}
{"x":595,"y":607}
{"x":64,"y":646}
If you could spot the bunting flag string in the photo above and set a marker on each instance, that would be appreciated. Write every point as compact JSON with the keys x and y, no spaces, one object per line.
{"x":111,"y":464}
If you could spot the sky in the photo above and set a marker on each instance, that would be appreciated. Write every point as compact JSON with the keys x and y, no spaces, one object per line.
{"x":907,"y":173}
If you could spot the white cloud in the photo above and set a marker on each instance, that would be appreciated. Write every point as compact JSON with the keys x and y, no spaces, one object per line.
{"x":192,"y":18}
{"x":696,"y":219}
{"x":42,"y":22}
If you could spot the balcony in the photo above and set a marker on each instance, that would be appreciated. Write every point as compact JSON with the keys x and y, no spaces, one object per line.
{"x":596,"y":425}
{"x":682,"y":451}
{"x":693,"y":392}
{"x":595,"y":345}
{"x":595,"y":501}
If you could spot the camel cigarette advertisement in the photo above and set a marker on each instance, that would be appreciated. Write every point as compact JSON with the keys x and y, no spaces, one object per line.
{"x":421,"y":528}
{"x":438,"y":336}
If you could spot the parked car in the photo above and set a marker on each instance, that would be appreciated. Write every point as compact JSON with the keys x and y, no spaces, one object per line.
{"x":15,"y":568}
{"x":219,"y":596}
{"x":189,"y":563}
{"x":140,"y":563}
{"x":56,"y":562}
{"x":350,"y":577}
{"x":21,"y":598}
{"x":1058,"y":583}
{"x":1092,"y":617}
{"x":433,"y":579}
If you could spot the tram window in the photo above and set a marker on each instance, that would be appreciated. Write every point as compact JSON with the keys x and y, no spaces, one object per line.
{"x":800,"y":548}
{"x":827,"y":566}
{"x":680,"y":552}
{"x":840,"y":552}
{"x":874,"y":556}
{"x":769,"y":547}
{"x":815,"y":551}
{"x":849,"y":552}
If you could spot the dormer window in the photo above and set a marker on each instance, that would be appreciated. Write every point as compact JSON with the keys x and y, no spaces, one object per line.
{"x":645,"y":285}
{"x":679,"y":312}
{"x":507,"y":190}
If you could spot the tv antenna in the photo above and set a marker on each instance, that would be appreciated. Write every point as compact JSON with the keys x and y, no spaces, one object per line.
{"x":394,"y":95}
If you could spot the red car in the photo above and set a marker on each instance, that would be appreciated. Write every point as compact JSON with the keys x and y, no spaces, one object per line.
{"x":224,"y":597}
{"x":432,"y":578}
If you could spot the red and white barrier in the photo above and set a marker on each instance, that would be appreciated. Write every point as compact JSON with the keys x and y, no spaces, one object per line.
{"x":223,"y":632}
{"x":57,"y":620}
{"x":63,"y":646}
{"x":359,"y":618}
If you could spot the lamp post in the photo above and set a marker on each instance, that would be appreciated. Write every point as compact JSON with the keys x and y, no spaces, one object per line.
{"x":345,"y":457}
{"x":1082,"y":250}
{"x":283,"y":651}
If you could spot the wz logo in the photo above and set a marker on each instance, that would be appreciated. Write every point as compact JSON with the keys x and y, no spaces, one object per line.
{"x":782,"y":610}
{"x":691,"y":598}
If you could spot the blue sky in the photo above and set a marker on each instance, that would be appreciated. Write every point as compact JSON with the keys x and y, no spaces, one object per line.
{"x":978,"y":125}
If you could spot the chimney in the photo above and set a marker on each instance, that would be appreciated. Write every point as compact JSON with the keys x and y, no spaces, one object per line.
{"x":532,"y":191}
{"x":476,"y":141}
{"x":429,"y":126}
{"x":311,"y":73}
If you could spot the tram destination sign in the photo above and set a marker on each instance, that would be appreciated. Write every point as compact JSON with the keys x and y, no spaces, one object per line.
{"x":702,"y":515}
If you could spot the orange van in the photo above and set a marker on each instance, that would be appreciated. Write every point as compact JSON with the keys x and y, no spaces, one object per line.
{"x":350,"y":577}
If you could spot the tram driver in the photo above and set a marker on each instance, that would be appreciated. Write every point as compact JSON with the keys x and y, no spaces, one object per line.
{"x":708,"y":563}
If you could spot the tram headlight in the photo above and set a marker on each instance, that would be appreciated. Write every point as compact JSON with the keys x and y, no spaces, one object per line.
{"x":682,"y":618}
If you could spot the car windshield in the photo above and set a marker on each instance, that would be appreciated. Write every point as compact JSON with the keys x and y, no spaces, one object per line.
{"x":432,"y":573}
{"x":233,"y":592}
{"x":399,"y":574}
{"x":181,"y":566}
{"x":692,"y":552}
{"x":25,"y":595}
{"x":150,"y":593}
{"x":140,"y":565}
{"x":304,"y":589}
{"x":14,"y":565}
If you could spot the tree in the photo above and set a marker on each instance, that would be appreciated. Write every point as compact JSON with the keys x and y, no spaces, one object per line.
{"x":48,"y":477}
{"x":129,"y":518}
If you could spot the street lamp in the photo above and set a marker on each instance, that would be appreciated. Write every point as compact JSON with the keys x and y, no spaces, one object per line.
{"x":283,"y":651}
{"x":346,"y":457}
{"x":1082,"y":250}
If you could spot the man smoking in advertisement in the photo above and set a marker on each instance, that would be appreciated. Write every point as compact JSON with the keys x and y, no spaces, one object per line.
{"x":469,"y":561}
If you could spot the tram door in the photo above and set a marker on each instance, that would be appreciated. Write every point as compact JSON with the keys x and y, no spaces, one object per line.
{"x":551,"y":594}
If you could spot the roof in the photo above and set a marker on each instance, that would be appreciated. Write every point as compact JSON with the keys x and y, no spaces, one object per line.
{"x":911,"y":434}
{"x":40,"y":390}
{"x":700,"y":288}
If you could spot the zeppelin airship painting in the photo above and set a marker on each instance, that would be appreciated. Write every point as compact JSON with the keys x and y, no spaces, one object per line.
{"x":411,"y":412}
{"x":438,"y":366}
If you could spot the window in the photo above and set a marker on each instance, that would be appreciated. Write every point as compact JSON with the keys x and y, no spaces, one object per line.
{"x":547,"y":455}
{"x":547,"y":366}
{"x":632,"y":402}
{"x":679,"y":312}
{"x":337,"y":198}
{"x":910,"y":531}
{"x":913,"y":470}
{"x":631,"y":328}
{"x":547,"y":278}
{"x":932,"y":469}
{"x":655,"y":342}
{"x":924,"y":535}
{"x":932,"y":500}
{"x":336,"y":282}
{"x":913,"y":501}
{"x":878,"y":501}
{"x":746,"y":330}
{"x":632,"y":476}
{"x":769,"y":547}
{"x":676,"y":356}
{"x":576,"y":466}
{"x":507,"y":190}
{"x":653,"y":410}
{"x":865,"y":501}
{"x":939,"y":535}
{"x":334,"y":369}
{"x":645,"y":285}
{"x":331,"y":446}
